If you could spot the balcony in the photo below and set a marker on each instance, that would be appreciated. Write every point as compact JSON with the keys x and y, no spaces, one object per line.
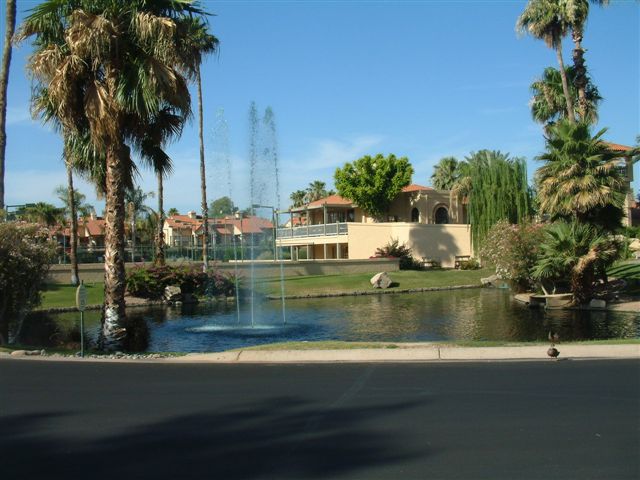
{"x":313,"y":231}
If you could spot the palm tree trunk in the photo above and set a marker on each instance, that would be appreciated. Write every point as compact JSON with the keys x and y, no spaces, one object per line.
{"x":580,"y":80}
{"x":565,"y":85}
{"x":73,"y":255}
{"x":113,"y":316}
{"x":159,"y":257}
{"x":4,"y":83}
{"x":203,"y":179}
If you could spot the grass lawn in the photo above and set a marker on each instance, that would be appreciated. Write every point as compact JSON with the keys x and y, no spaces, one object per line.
{"x":324,"y":284}
{"x":56,"y":295}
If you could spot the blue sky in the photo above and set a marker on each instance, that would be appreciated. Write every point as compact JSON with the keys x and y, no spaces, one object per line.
{"x":422,"y":79}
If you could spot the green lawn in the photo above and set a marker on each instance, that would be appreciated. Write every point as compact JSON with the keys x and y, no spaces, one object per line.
{"x":326,"y":284}
{"x":55,"y":295}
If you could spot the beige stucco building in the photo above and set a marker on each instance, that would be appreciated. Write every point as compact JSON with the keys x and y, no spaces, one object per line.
{"x":431,"y":222}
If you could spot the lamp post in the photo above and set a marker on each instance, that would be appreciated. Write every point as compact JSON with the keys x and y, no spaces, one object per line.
{"x":239,"y":216}
{"x":274,"y":225}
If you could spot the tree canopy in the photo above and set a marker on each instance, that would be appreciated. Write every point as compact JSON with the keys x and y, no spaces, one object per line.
{"x":222,"y":206}
{"x":373,"y":182}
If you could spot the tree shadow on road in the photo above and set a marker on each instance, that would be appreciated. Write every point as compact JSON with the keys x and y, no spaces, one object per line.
{"x":285,"y":437}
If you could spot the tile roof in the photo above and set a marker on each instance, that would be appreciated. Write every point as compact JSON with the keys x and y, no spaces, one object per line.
{"x":330,"y":200}
{"x":247,"y":225}
{"x":415,"y":188}
{"x":616,"y":147}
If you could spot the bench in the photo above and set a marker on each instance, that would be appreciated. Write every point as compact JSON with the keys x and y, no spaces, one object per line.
{"x":460,"y":259}
{"x":429,"y":263}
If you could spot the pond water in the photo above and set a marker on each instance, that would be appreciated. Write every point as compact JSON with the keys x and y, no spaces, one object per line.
{"x":455,"y":315}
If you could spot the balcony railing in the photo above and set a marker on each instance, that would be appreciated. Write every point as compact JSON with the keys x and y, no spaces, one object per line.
{"x":313,"y":231}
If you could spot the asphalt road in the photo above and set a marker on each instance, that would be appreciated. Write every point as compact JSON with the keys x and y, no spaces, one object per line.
{"x":501,"y":420}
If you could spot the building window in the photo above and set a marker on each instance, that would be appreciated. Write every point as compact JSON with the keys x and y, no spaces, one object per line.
{"x":442,"y":215}
{"x":415,"y":215}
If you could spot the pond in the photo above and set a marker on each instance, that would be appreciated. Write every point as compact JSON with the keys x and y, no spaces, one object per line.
{"x":455,"y":315}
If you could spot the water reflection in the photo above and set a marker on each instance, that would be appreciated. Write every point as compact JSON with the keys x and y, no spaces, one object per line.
{"x":433,"y":316}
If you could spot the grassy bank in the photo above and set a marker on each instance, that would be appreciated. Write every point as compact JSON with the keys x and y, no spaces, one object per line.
{"x":337,"y":345}
{"x":55,"y":296}
{"x":327,"y":284}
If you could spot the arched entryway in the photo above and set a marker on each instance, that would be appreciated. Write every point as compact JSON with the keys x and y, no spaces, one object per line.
{"x":415,"y":215}
{"x":441,"y":215}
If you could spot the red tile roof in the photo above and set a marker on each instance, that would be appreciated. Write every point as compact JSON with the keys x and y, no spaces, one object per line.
{"x":616,"y":147}
{"x":415,"y":188}
{"x":330,"y":200}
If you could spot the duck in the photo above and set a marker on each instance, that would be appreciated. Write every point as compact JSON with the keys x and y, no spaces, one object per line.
{"x":553,"y":352}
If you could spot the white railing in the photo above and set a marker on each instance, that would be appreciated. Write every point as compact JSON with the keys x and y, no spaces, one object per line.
{"x":313,"y":230}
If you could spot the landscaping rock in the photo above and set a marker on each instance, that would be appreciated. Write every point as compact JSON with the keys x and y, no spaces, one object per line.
{"x":489,"y":281}
{"x":19,"y":353}
{"x":172,"y":293}
{"x":381,"y":280}
{"x":597,"y":303}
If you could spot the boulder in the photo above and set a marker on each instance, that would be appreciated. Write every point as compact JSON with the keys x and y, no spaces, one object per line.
{"x":18,"y":353}
{"x":489,"y":281}
{"x":597,"y":303}
{"x":381,"y":280}
{"x":172,"y":293}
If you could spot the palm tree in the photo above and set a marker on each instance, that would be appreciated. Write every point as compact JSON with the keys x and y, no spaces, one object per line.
{"x":44,"y":214}
{"x":445,"y":173}
{"x":73,"y":202}
{"x":198,"y":43}
{"x":580,"y":179}
{"x":172,"y":212}
{"x":108,"y":68}
{"x":316,"y":191}
{"x":577,"y":12}
{"x":298,"y":198}
{"x":547,"y":20}
{"x":548,"y":104}
{"x":10,"y":24}
{"x":577,"y":252}
{"x":135,"y":205}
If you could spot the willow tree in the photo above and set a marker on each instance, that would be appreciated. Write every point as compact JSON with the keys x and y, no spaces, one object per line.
{"x":496,"y":188}
{"x":109,"y":67}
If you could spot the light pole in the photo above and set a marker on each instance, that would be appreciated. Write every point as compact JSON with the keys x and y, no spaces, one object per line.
{"x":239,"y":216}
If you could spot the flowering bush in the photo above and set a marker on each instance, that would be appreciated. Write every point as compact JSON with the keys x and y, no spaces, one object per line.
{"x":25,"y":255}
{"x":150,"y":282}
{"x":514,"y":251}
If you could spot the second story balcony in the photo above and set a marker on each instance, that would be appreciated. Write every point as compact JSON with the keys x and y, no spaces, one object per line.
{"x":325,"y":229}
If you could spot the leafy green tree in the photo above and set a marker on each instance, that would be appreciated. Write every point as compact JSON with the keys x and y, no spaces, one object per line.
{"x":26,"y":253}
{"x":298,"y":198}
{"x":10,"y":25}
{"x":548,"y":104}
{"x":497,"y":189}
{"x":222,"y":206}
{"x":128,"y":59}
{"x":578,"y":252}
{"x":445,"y":173}
{"x":373,"y":182}
{"x":172,"y":212}
{"x":547,"y":20}
{"x":580,"y":178}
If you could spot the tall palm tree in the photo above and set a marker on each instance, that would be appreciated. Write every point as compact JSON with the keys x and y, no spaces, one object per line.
{"x":580,"y":178}
{"x":43,"y":213}
{"x":198,"y":43}
{"x":73,"y":202}
{"x":108,"y":67}
{"x":548,"y":104}
{"x":577,"y":12}
{"x":135,"y":205}
{"x":445,"y":173}
{"x":10,"y":25}
{"x":547,"y":20}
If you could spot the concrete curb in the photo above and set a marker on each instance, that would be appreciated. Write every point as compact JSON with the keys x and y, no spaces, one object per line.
{"x":411,"y":353}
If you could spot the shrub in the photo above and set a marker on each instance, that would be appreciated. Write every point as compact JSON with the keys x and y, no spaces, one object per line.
{"x":513,"y":250}
{"x":471,"y":264}
{"x":150,"y":282}
{"x":394,"y":249}
{"x":26,"y":252}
